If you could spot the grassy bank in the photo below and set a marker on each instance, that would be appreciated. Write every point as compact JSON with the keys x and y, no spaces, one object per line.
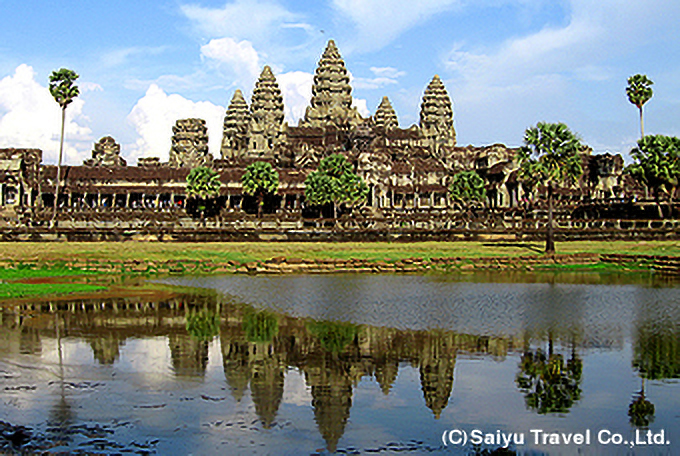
{"x":260,"y":251}
{"x":31,"y":269}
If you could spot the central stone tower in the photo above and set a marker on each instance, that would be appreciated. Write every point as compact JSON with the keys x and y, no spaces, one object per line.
{"x":331,"y":93}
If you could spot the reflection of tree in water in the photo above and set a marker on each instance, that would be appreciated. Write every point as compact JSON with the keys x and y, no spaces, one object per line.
{"x":203,"y":324}
{"x":333,"y":336}
{"x":656,"y":356}
{"x":550,"y":385}
{"x":260,"y":326}
{"x":641,"y":410}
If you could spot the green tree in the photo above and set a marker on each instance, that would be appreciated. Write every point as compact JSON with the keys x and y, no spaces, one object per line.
{"x":63,"y":89}
{"x":203,"y":185}
{"x":550,"y":155}
{"x":639,"y":92}
{"x":467,"y":188}
{"x":336,"y":183}
{"x":657,"y":165}
{"x":259,"y":180}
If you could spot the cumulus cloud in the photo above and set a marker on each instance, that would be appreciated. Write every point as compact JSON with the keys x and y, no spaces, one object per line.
{"x":296,"y":88}
{"x":29,"y":117}
{"x":155,"y":114}
{"x":239,"y":56}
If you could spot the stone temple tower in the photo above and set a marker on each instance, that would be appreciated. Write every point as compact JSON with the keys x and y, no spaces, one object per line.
{"x":331,"y":93}
{"x":236,"y":128}
{"x":266,"y":114}
{"x":190,"y":144}
{"x":436,"y":115}
{"x":385,"y":117}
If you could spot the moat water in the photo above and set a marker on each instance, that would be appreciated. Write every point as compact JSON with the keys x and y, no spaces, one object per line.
{"x":357,"y":364}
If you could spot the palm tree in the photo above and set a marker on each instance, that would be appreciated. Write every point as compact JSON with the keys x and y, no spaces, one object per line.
{"x":550,"y":154}
{"x":260,"y":179}
{"x":639,"y":92}
{"x":63,"y":90}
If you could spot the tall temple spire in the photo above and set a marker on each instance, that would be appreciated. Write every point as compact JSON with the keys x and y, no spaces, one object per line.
{"x":267,"y":103}
{"x":236,"y":125}
{"x":385,"y":116}
{"x":267,"y":114}
{"x":331,"y":93}
{"x":436,"y":113}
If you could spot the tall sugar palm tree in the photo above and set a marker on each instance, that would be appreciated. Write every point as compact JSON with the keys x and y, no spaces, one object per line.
{"x":63,"y":89}
{"x":550,"y":153}
{"x":639,"y":92}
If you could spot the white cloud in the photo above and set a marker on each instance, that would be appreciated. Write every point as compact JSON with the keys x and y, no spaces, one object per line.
{"x":240,"y":56}
{"x":29,"y":117}
{"x":378,"y":22}
{"x":361,"y":105}
{"x":250,"y":19}
{"x":155,"y":114}
{"x":296,"y":88}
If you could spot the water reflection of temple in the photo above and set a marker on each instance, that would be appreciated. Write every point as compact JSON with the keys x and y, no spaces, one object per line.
{"x":258,"y":348}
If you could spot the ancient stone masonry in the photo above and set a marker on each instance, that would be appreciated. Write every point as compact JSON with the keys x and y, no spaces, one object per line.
{"x":408,"y":170}
{"x":385,"y":116}
{"x":189,"y":144}
{"x":106,"y":153}
{"x":267,"y":114}
{"x":236,"y":128}
{"x":331,"y":93}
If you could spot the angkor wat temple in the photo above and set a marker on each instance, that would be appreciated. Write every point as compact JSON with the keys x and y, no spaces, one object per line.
{"x":408,"y":170}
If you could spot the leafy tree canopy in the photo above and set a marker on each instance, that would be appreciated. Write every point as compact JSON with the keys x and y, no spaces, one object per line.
{"x":335,"y":182}
{"x":550,"y":154}
{"x":62,"y":86}
{"x":639,"y":90}
{"x":260,"y":178}
{"x":203,"y":182}
{"x":467,"y":187}
{"x":657,"y":163}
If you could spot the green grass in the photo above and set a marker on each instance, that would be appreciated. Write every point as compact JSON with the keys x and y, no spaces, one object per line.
{"x":21,"y":290}
{"x":258,"y":251}
{"x":29,"y":271}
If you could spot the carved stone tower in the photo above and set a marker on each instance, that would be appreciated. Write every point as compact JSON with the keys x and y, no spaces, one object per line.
{"x":331,"y":93}
{"x":236,"y":128}
{"x":267,"y":114}
{"x":436,"y":115}
{"x":189,"y":144}
{"x":385,"y":116}
{"x":106,"y":153}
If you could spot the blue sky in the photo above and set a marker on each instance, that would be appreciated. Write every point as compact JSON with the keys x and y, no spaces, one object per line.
{"x":507,"y":64}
